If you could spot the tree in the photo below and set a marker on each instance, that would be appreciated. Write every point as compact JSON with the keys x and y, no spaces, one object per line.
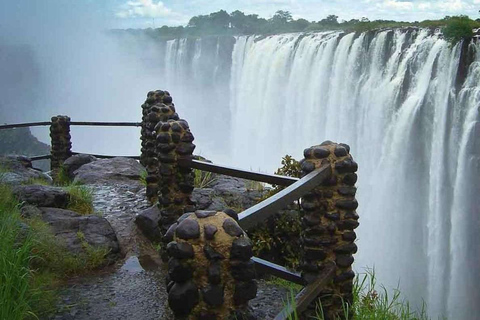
{"x":458,"y":28}
{"x":282,"y":17}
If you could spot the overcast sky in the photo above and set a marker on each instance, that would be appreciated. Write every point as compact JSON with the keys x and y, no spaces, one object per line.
{"x":154,"y":13}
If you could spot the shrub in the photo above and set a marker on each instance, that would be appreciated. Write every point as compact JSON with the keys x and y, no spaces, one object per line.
{"x":457,"y":29}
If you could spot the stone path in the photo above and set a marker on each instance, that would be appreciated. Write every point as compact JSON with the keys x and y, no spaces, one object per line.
{"x":134,"y":288}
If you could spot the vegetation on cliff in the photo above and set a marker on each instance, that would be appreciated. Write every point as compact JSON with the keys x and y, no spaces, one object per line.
{"x":238,"y":23}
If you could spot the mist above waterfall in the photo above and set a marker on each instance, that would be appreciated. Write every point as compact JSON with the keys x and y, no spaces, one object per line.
{"x":58,"y":57}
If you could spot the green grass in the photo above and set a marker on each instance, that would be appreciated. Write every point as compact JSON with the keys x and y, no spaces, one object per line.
{"x":371,"y":302}
{"x":203,"y":179}
{"x":15,"y":275}
{"x":81,"y":199}
{"x":33,"y":262}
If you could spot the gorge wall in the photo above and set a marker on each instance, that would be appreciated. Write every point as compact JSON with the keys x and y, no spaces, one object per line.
{"x":395,"y":96}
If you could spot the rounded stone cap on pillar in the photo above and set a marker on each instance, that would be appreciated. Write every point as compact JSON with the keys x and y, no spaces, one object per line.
{"x":210,"y":269}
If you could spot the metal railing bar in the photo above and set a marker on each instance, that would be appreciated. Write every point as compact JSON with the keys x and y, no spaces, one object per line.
{"x":239,"y":173}
{"x":263,"y":210}
{"x":278,"y":271}
{"x":22,"y":125}
{"x":305,"y":297}
{"x":35,"y":158}
{"x":106,"y":124}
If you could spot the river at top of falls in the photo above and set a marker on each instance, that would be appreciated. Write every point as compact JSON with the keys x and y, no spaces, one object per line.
{"x":392,"y":96}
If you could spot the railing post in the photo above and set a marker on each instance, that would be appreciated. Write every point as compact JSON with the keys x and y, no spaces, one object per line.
{"x":174,"y":142}
{"x":158,"y":107}
{"x":328,"y":225}
{"x":61,"y":148}
{"x":210,"y":270}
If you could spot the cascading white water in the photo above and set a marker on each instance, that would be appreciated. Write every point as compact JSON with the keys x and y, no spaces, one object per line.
{"x":393,"y":97}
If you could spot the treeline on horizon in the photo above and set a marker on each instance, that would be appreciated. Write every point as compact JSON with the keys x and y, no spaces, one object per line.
{"x":238,"y":23}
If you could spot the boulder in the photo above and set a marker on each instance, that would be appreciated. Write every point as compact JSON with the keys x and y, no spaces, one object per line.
{"x":18,"y":170}
{"x":75,"y":162}
{"x":74,"y":230}
{"x":147,"y":222}
{"x":115,"y":170}
{"x":42,"y":196}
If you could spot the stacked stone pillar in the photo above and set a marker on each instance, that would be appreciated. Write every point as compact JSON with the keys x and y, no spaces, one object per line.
{"x":210,"y":273}
{"x":61,"y":148}
{"x":328,"y":224}
{"x":174,"y":143}
{"x":158,"y":107}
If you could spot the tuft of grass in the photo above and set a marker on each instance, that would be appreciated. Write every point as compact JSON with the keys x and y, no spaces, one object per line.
{"x":61,"y":178}
{"x":15,"y":275}
{"x":81,"y":199}
{"x":143,"y":177}
{"x":251,"y":185}
{"x":203,"y":179}
{"x":371,"y":302}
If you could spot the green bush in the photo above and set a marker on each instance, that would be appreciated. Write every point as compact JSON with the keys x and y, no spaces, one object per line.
{"x":457,"y":29}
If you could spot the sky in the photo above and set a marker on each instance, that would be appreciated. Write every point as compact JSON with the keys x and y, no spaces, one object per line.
{"x":152,"y":13}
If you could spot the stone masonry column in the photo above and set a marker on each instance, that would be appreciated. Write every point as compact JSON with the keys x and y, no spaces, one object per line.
{"x":328,"y":225}
{"x":210,"y":271}
{"x":174,"y":142}
{"x":158,"y":107}
{"x":61,"y":148}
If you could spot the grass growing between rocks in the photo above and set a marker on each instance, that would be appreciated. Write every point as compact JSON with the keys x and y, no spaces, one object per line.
{"x":81,"y":199}
{"x":33,"y":262}
{"x":372,"y":302}
{"x":203,"y":179}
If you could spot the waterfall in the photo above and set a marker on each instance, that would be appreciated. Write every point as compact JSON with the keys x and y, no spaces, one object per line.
{"x":393,"y":96}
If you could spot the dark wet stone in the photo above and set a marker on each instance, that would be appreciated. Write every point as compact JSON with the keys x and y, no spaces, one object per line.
{"x":309,"y":277}
{"x":309,"y":205}
{"x":347,"y":275}
{"x":164,"y":147}
{"x":311,"y":220}
{"x":320,"y":153}
{"x":346,"y":146}
{"x":185,"y":148}
{"x":212,"y":254}
{"x":351,"y":215}
{"x":232,"y":228}
{"x":242,"y":270}
{"x":344,"y":260}
{"x":307,"y":166}
{"x":307,"y":153}
{"x":214,"y":272}
{"x":213,"y":295}
{"x":182,"y":298}
{"x":330,"y":182}
{"x":231,"y":213}
{"x":340,"y":151}
{"x":167,"y":99}
{"x":346,"y":166}
{"x":350,"y":179}
{"x":349,"y":236}
{"x":187,"y":137}
{"x":170,"y":285}
{"x":315,"y":230}
{"x":204,"y":213}
{"x":175,"y":137}
{"x":244,"y":291}
{"x":347,"y":204}
{"x":347,"y":224}
{"x":188,"y":229}
{"x":319,"y":241}
{"x":326,"y":143}
{"x":315,"y":254}
{"x":205,"y":315}
{"x":168,"y":237}
{"x":178,"y":271}
{"x":165,"y":126}
{"x":347,"y":248}
{"x":163,"y":137}
{"x":347,"y":191}
{"x":210,"y":231}
{"x":176,"y":127}
{"x":309,"y":267}
{"x":241,"y":249}
{"x":334,"y":216}
{"x":180,"y":250}
{"x":184,"y":216}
